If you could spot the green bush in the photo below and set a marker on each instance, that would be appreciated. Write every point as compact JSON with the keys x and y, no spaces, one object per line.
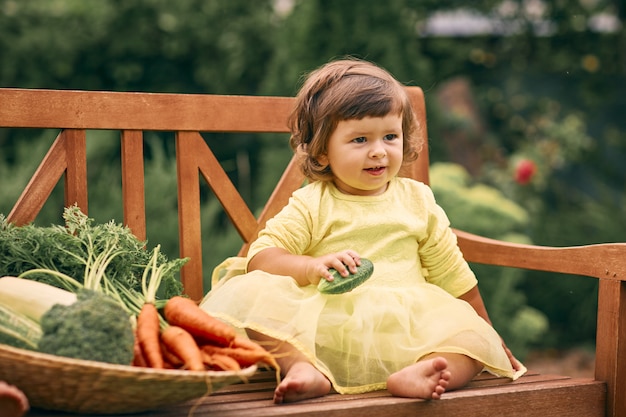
{"x":483,"y":210}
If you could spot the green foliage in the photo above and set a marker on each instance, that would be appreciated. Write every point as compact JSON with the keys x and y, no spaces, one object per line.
{"x":475,"y":208}
{"x":314,"y":32}
{"x":484,"y":210}
{"x":147,"y":45}
{"x":68,"y":249}
{"x":563,"y":209}
{"x":93,"y":328}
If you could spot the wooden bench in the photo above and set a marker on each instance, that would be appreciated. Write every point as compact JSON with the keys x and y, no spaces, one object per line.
{"x":72,"y":113}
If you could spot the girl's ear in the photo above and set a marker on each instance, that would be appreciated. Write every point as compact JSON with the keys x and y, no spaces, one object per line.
{"x":322,"y":160}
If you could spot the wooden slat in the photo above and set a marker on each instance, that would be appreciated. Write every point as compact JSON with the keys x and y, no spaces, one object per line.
{"x":418,"y":170}
{"x":291,"y":180}
{"x":194,"y":158}
{"x":232,"y":202}
{"x":66,"y":155}
{"x":611,"y":344}
{"x":142,"y":111}
{"x":133,"y":183}
{"x":530,"y":396}
{"x":76,"y":168}
{"x":189,"y":227}
{"x":570,"y":260}
{"x":38,"y":189}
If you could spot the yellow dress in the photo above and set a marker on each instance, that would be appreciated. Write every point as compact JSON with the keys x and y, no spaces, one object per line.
{"x":406,"y":310}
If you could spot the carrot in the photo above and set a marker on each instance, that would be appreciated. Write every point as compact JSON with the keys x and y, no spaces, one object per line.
{"x":244,"y":357}
{"x":268,"y":358}
{"x":183,"y":312}
{"x":180,"y":343}
{"x":170,"y":360}
{"x":219,"y":361}
{"x":148,"y":320}
{"x":138,"y":358}
{"x":147,"y":334}
{"x":245,"y":343}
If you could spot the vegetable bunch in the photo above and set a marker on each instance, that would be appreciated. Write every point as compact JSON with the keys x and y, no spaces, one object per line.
{"x":194,"y":340}
{"x":187,"y":337}
{"x":97,"y":286}
{"x":67,"y":249}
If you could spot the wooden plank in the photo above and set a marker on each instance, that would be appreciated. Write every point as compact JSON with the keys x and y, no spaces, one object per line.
{"x":38,"y":189}
{"x":418,"y":170}
{"x":194,"y":157}
{"x":535,"y":395}
{"x":232,"y":202}
{"x":291,"y":179}
{"x":65,"y":150}
{"x":611,"y":344}
{"x":569,"y":260}
{"x":560,"y":397}
{"x":189,"y":227}
{"x":76,"y":168}
{"x":133,"y":182}
{"x":142,"y":111}
{"x":527,"y":379}
{"x":565,"y":398}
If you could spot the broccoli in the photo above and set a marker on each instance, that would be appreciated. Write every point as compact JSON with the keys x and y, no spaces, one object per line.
{"x":95,"y":327}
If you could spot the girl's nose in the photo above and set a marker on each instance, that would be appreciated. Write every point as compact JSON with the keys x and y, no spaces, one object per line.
{"x":377,"y":150}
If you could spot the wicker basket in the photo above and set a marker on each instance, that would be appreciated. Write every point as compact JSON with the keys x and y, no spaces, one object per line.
{"x":65,"y":384}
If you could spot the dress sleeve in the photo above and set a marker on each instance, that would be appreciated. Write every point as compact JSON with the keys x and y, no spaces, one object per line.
{"x":440,"y":254}
{"x":290,"y":229}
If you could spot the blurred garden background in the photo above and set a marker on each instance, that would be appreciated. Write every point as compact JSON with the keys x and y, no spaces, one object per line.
{"x":525,"y":104}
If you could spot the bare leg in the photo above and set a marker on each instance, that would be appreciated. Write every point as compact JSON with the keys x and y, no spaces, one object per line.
{"x":301,"y":380}
{"x":13,"y":402}
{"x":432,"y":375}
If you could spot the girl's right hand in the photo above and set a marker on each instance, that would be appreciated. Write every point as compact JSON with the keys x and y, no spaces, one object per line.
{"x":344,"y":262}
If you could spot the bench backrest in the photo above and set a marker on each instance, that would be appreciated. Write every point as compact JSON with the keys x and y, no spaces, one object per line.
{"x":75,"y":112}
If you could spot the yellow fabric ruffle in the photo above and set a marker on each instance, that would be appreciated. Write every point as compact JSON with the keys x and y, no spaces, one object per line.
{"x":359,"y":338}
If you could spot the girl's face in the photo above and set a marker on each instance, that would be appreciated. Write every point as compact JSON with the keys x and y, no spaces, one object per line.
{"x":365,"y":154}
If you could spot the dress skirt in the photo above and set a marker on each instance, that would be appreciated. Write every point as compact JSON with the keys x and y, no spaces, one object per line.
{"x":359,"y":338}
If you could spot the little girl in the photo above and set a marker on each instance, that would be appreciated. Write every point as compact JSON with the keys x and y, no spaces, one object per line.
{"x":418,"y":326}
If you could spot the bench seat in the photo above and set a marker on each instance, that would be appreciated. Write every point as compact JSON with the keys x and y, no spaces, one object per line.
{"x":533,"y":395}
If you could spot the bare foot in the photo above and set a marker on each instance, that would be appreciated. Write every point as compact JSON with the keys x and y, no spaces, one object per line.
{"x":302,"y":381}
{"x":427,"y":379}
{"x":13,"y":402}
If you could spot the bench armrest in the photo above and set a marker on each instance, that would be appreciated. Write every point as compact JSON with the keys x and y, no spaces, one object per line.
{"x":606,"y":261}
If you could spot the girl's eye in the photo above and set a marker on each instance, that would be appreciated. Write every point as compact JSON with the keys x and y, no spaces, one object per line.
{"x":359,"y":140}
{"x":391,"y":136}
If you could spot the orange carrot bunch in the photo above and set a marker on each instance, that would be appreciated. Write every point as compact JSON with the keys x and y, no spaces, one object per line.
{"x":187,"y":337}
{"x":194,"y":340}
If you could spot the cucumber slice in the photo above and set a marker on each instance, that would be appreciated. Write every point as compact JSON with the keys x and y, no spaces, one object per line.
{"x":340,"y":285}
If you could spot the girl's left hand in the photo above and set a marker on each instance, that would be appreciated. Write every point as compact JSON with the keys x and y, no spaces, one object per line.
{"x":517,"y":365}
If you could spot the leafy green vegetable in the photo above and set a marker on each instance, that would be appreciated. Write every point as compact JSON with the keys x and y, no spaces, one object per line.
{"x":95,"y":328}
{"x":104,"y":264}
{"x":67,"y":249}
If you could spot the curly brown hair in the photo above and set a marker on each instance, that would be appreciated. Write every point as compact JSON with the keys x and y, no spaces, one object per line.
{"x":346,"y":89}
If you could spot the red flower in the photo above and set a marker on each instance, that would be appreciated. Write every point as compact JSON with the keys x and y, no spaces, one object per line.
{"x":524,"y":171}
